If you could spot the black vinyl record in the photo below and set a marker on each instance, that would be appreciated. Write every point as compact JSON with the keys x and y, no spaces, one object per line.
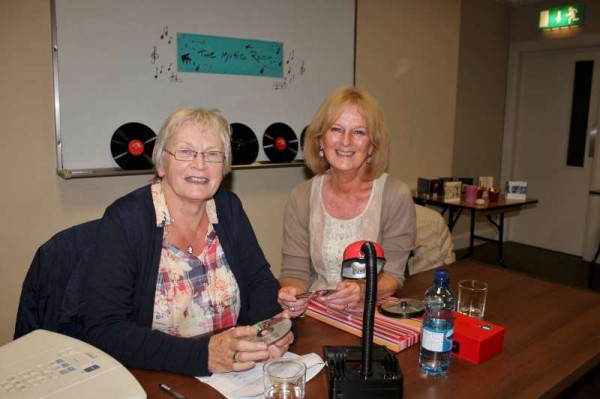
{"x":302,"y":137}
{"x":403,"y":308}
{"x":244,"y":144}
{"x":131,"y":146}
{"x":280,"y":143}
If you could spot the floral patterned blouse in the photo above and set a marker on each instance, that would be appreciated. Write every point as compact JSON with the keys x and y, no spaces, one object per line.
{"x":194,"y":295}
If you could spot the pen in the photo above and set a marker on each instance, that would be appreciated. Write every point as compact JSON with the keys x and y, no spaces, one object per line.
{"x":170,"y":390}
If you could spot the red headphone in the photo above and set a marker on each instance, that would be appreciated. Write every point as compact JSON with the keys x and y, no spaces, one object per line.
{"x":354,"y":265}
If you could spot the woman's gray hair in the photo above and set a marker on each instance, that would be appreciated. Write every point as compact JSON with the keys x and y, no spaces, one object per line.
{"x":211,"y":119}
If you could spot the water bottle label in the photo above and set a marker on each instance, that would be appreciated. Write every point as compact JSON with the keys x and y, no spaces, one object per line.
{"x":436,"y":340}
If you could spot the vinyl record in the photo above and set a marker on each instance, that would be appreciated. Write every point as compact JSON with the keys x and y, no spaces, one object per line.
{"x":244,"y":144}
{"x":280,"y":143}
{"x":302,"y":137}
{"x":403,"y":308}
{"x":272,"y":330}
{"x":131,"y":146}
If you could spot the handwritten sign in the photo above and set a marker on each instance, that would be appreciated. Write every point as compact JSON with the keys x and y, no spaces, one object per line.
{"x":226,"y":55}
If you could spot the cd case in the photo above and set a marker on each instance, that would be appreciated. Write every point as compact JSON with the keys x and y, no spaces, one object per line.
{"x":395,"y":333}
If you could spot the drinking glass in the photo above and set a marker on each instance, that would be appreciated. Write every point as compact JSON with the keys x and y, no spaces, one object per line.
{"x":284,"y":379}
{"x":471,"y":298}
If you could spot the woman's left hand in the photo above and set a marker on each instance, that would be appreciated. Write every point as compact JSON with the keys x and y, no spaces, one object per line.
{"x":347,"y":296}
{"x":279,"y":347}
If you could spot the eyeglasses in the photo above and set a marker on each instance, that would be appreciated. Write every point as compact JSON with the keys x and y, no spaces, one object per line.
{"x":190,"y":155}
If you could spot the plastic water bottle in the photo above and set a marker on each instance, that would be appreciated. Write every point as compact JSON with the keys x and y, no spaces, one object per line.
{"x":438,"y":326}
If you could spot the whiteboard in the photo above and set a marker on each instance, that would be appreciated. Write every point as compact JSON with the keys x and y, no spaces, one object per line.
{"x":115,"y":62}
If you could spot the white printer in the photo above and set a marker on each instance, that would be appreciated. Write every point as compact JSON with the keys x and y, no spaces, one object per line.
{"x":44,"y":364}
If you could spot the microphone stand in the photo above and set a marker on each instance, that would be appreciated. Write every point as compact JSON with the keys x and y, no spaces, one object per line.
{"x":364,"y":372}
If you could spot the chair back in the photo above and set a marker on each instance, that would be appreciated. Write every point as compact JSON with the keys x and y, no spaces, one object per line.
{"x":52,"y":296}
{"x":433,"y":244}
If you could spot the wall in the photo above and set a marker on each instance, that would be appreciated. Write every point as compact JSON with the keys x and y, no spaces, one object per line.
{"x":407,"y":55}
{"x":483,"y":61}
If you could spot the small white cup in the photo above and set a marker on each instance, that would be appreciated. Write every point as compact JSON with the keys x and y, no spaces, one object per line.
{"x":284,"y":379}
{"x":472,"y":295}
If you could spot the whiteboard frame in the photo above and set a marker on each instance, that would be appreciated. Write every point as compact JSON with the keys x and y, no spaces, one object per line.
{"x":105,"y":172}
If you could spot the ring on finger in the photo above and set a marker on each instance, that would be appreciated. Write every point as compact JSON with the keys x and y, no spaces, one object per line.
{"x":234,"y":357}
{"x":346,"y":307}
{"x":292,"y":309}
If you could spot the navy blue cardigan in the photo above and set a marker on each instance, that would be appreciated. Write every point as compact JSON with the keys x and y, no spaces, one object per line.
{"x":121,"y":284}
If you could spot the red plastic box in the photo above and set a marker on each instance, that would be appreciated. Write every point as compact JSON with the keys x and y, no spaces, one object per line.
{"x":476,"y":340}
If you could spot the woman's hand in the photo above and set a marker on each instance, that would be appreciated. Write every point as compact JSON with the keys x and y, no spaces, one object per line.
{"x":232,"y":350}
{"x":288,"y":301}
{"x":347,"y":296}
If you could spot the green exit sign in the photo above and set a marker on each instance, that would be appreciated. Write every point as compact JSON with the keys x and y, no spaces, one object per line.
{"x":561,"y":17}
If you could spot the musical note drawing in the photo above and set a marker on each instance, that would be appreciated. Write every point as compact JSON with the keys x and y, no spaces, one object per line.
{"x":154,"y":55}
{"x":174,"y":77}
{"x":170,"y":38}
{"x":170,"y":65}
{"x":290,"y":76}
{"x":280,"y":85}
{"x":165,"y":32}
{"x":161,"y":68}
{"x":156,"y":73}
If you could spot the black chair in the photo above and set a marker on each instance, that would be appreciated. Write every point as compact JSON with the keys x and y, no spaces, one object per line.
{"x":52,"y":296}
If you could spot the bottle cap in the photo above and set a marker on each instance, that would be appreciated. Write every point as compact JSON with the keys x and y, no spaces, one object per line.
{"x":442,"y":276}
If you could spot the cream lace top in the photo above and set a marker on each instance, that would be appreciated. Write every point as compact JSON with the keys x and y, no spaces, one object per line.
{"x":330,"y":236}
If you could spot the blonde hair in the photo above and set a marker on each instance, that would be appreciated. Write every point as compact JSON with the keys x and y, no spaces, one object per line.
{"x":330,"y":110}
{"x":211,"y":119}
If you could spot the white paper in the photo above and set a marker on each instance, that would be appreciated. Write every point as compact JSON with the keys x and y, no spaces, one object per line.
{"x":249,"y":383}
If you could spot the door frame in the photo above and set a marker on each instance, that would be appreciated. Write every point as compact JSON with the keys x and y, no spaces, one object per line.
{"x":516,"y":53}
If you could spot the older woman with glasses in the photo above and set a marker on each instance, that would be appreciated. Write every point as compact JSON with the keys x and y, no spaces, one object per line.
{"x":178,"y":266}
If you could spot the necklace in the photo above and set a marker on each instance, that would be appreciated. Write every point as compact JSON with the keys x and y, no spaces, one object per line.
{"x":190,"y":248}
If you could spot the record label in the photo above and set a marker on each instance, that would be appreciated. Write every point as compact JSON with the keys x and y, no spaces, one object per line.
{"x":272,"y":330}
{"x":403,"y":308}
{"x":280,"y":143}
{"x":131,"y":146}
{"x":244,"y":144}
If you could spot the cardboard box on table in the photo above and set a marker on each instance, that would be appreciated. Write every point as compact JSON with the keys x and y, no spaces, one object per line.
{"x":476,"y":340}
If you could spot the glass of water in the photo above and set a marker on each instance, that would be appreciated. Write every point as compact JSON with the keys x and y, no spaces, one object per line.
{"x":472,"y":295}
{"x":284,"y":379}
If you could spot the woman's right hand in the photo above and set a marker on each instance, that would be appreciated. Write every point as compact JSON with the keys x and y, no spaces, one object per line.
{"x":287,"y":299}
{"x":232,"y":350}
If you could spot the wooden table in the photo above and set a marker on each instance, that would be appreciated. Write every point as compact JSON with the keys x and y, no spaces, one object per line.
{"x":489,"y":208}
{"x":552,"y":339}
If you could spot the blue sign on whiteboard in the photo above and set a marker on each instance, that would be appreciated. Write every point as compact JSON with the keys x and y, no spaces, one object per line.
{"x":226,"y":55}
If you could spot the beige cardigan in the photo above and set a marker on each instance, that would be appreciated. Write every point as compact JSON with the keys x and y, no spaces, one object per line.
{"x":397,"y":231}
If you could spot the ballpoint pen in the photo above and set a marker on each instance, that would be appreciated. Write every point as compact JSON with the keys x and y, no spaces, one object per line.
{"x":170,"y":390}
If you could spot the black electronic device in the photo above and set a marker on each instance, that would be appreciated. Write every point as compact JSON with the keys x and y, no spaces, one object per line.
{"x":430,"y":186}
{"x":367,"y":371}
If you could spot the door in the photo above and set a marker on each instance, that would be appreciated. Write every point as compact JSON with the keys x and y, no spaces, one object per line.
{"x":543,"y":119}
